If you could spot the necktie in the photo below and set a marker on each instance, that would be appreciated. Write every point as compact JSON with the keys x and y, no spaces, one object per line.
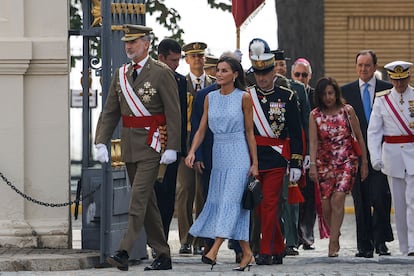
{"x":136,"y":66}
{"x":366,"y":99}
{"x":197,"y":84}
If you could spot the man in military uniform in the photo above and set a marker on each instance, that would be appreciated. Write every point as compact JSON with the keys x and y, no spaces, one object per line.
{"x":278,"y":80}
{"x":301,"y":71}
{"x":143,"y":103}
{"x":279,"y":143}
{"x":190,"y":184}
{"x":291,"y":211}
{"x":210,"y":66}
{"x":391,"y":146}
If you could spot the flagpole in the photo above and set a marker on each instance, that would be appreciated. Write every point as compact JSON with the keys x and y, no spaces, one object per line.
{"x":237,"y":38}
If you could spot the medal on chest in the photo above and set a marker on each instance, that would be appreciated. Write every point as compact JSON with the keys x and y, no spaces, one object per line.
{"x":276,"y":110}
{"x":411,"y":108}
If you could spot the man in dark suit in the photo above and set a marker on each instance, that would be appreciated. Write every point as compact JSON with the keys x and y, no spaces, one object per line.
{"x":169,"y":52}
{"x":373,"y":227}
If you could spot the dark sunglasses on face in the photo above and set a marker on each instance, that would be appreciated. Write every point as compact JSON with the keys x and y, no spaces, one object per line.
{"x":304,"y":74}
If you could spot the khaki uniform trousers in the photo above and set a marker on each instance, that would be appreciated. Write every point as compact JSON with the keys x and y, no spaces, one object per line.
{"x":189,"y":193}
{"x":143,"y":208}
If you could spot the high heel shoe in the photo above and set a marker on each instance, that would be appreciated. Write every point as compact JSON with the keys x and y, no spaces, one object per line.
{"x":209,"y":261}
{"x":248,"y":265}
{"x":334,"y":249}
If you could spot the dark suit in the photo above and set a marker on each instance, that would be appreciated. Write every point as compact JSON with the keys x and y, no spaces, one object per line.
{"x":204,"y":151}
{"x":165,"y":190}
{"x":307,"y":210}
{"x":374,"y":227}
{"x":190,"y":189}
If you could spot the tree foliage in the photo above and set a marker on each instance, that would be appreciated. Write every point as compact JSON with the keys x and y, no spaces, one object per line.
{"x":301,"y":32}
{"x":167,"y":17}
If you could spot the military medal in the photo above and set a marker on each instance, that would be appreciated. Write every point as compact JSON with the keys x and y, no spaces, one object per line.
{"x":264,"y":100}
{"x":401,"y":99}
{"x":411,"y":124}
{"x":411,"y":107}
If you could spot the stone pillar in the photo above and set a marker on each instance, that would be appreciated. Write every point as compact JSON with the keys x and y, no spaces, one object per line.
{"x":34,"y":122}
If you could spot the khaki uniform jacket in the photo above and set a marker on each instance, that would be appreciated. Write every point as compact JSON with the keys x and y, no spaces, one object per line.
{"x":157,"y":89}
{"x":190,"y":86}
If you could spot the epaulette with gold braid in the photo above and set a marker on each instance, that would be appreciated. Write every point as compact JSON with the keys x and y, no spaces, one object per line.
{"x":383,"y":93}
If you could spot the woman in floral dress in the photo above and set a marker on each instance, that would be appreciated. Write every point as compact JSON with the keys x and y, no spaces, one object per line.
{"x":333,"y":162}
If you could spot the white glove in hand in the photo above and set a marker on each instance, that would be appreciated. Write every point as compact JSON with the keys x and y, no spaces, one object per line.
{"x":306,"y":162}
{"x":168,"y":157}
{"x":377,"y":165}
{"x":102,"y":153}
{"x":294,"y":174}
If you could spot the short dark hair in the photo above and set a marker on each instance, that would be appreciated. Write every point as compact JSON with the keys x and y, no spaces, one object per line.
{"x":168,"y":45}
{"x":235,"y":66}
{"x":320,"y":88}
{"x":367,"y":52}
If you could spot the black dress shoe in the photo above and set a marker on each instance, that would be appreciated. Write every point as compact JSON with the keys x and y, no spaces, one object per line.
{"x":160,"y":263}
{"x":410,"y":254}
{"x":119,"y":260}
{"x":277,"y":259}
{"x":198,"y":250}
{"x":291,"y":251}
{"x":185,"y":249}
{"x":308,"y":247}
{"x":365,"y":254}
{"x":382,"y":250}
{"x":264,"y":259}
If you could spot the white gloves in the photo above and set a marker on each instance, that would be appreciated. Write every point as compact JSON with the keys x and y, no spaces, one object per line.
{"x":103,"y":156}
{"x":294,"y":174}
{"x":377,"y":165}
{"x":169,"y":156}
{"x":306,"y":162}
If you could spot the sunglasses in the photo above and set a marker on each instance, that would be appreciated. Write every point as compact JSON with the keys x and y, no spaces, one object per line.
{"x":304,"y":74}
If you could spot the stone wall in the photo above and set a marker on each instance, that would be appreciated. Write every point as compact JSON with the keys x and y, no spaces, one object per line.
{"x":387,"y":27}
{"x":34,"y":124}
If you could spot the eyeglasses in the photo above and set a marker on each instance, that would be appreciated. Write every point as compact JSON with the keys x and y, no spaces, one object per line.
{"x":304,"y":74}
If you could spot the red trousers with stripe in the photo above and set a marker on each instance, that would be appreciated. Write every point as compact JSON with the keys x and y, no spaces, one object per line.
{"x":272,"y":241}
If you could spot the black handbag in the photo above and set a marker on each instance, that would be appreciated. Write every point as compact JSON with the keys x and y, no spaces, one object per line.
{"x":252,"y":195}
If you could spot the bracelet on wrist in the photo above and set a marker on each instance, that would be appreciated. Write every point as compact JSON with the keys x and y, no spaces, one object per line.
{"x":312,"y":163}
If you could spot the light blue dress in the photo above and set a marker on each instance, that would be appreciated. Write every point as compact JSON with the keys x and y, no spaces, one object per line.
{"x":223,"y":215}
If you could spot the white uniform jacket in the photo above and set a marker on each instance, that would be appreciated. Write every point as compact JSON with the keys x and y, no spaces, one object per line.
{"x":398,"y":158}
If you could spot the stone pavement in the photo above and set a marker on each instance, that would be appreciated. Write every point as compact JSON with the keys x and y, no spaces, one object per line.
{"x":315,"y":262}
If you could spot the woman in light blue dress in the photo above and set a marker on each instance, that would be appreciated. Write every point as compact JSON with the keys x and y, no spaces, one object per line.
{"x":228,"y":113}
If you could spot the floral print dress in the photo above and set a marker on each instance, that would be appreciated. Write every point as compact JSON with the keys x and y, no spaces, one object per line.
{"x":336,"y":161}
